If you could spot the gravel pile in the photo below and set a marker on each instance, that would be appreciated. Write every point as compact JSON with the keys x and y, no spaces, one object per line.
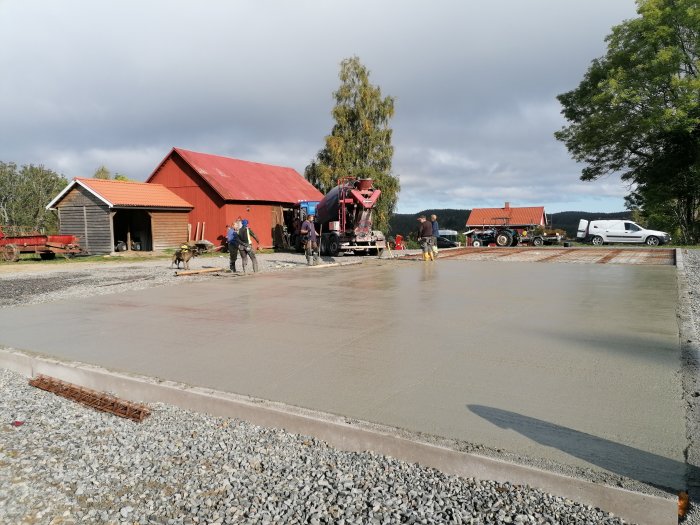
{"x":70,"y":464}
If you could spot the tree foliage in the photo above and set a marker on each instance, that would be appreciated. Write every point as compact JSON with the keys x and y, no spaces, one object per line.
{"x":24,"y":194}
{"x":103,"y":173}
{"x":360,"y":142}
{"x":637,"y":112}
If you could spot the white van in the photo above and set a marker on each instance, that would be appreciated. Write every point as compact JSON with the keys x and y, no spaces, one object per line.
{"x":617,"y":230}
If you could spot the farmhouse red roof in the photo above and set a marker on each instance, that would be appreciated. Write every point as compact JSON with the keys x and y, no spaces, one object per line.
{"x":133,"y":194}
{"x":235,"y":179}
{"x":507,"y":215}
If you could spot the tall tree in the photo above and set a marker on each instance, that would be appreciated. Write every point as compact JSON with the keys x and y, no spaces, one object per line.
{"x":24,"y":194}
{"x":637,"y":112}
{"x":102,"y":173}
{"x":360,"y":142}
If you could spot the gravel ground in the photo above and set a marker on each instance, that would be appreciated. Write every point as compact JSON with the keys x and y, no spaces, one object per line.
{"x":69,"y":464}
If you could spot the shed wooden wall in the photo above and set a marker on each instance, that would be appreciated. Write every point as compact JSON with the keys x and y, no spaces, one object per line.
{"x":82,"y":214}
{"x":169,"y":229}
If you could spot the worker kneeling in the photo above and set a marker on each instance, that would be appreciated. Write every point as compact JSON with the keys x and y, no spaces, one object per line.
{"x":310,"y":236}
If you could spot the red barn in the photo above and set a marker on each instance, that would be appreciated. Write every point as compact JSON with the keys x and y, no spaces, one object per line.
{"x":222,"y":189}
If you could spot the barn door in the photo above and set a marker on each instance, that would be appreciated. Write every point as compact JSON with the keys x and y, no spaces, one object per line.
{"x":277,"y":226}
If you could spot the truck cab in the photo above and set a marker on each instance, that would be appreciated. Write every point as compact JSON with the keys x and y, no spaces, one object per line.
{"x":618,"y":230}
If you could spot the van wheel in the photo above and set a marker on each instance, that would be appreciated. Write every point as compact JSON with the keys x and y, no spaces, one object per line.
{"x":652,"y":241}
{"x":597,"y":241}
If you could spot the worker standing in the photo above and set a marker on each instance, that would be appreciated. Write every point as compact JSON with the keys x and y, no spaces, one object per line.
{"x":245,"y":245}
{"x":436,"y":233}
{"x":232,"y":240}
{"x":425,"y":235}
{"x":310,"y":237}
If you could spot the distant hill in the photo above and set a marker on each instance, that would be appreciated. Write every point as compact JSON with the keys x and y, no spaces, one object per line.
{"x":450,"y":219}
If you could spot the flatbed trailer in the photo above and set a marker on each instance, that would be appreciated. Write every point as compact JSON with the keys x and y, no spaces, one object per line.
{"x":46,"y":246}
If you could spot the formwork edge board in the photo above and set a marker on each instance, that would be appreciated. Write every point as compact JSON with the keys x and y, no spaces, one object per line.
{"x":636,"y":507}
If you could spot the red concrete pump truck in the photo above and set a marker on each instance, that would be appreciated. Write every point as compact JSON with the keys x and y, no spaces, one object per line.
{"x":344,"y":219}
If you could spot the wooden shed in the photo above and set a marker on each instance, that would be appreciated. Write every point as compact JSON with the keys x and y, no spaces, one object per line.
{"x":104,"y":213}
{"x":222,"y":189}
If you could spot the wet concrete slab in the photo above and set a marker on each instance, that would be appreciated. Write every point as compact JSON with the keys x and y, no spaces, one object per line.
{"x":574,"y":363}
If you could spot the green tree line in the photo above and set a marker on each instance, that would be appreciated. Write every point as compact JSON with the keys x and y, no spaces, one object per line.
{"x":24,"y":193}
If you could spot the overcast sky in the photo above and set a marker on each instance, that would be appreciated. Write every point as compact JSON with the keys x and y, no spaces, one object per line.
{"x":118,"y":83}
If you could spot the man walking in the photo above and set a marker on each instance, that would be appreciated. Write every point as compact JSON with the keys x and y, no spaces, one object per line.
{"x":310,"y":237}
{"x":232,"y":239}
{"x":436,"y":233}
{"x":425,"y":234}
{"x":245,"y":245}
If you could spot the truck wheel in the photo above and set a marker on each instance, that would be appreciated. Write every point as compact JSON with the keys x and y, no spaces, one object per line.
{"x":476,"y":243}
{"x":597,"y":241}
{"x":515,"y":240}
{"x":10,"y":253}
{"x":652,"y":241}
{"x":537,"y":241}
{"x":333,"y":246}
{"x":504,"y":239}
{"x":47,"y":256}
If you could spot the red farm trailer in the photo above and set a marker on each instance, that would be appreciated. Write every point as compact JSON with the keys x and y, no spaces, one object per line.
{"x":47,"y":246}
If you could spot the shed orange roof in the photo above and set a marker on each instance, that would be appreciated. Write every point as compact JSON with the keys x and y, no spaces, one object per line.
{"x":507,"y":216}
{"x":117,"y":193}
{"x":235,"y":179}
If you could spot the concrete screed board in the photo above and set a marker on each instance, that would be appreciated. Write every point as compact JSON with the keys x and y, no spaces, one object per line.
{"x":573,"y":363}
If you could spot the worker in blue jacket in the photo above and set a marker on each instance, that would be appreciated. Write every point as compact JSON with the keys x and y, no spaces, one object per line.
{"x":232,"y":240}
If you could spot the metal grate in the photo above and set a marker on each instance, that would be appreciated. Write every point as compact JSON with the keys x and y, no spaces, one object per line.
{"x":92,"y":398}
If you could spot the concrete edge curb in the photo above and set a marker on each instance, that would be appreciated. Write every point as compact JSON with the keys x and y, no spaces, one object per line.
{"x":354,"y":436}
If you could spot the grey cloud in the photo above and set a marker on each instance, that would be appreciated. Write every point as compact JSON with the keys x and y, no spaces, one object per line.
{"x":91,"y":83}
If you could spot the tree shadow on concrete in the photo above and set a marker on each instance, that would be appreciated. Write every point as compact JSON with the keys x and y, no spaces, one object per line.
{"x":663,"y":473}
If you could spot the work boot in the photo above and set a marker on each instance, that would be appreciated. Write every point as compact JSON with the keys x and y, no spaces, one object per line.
{"x":426,"y":257}
{"x":431,"y":255}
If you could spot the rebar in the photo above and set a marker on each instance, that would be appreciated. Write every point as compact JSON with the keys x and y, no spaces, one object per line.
{"x":92,"y":398}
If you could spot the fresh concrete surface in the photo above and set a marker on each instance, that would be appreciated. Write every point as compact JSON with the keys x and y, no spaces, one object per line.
{"x":574,"y":363}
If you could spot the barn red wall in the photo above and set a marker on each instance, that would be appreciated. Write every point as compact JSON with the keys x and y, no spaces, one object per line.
{"x":259,"y":217}
{"x":209,"y":207}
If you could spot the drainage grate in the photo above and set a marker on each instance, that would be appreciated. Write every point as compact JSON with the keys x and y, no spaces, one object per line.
{"x":92,"y":398}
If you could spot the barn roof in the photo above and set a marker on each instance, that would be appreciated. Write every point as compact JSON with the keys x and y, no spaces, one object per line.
{"x":127,"y":194}
{"x":242,"y":180}
{"x":507,"y":216}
